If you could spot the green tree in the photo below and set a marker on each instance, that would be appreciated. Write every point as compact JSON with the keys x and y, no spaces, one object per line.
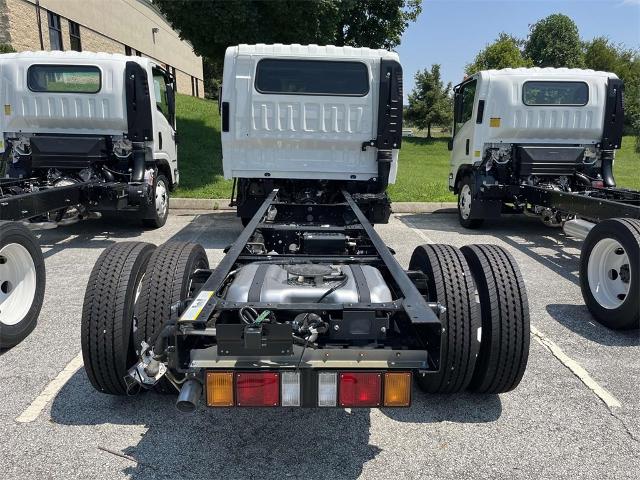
{"x":212,"y":26}
{"x":504,"y":52}
{"x":6,"y":48}
{"x":554,"y":41}
{"x":602,"y":54}
{"x":430,"y":101}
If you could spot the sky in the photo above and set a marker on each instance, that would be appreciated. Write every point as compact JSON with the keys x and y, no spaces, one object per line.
{"x":452,"y":32}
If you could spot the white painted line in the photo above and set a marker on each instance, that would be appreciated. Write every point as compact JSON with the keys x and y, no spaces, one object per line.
{"x":417,"y":231}
{"x":577,"y":369}
{"x":35,"y":409}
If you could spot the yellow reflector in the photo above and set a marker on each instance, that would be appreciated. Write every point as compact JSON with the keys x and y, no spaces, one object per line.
{"x":494,"y":122}
{"x":397,"y":389}
{"x":220,"y":389}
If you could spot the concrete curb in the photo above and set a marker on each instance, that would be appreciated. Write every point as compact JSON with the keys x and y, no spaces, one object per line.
{"x":397,"y":207}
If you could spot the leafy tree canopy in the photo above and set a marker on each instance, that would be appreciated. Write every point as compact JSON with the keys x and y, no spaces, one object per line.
{"x":430,"y":101}
{"x":554,"y":41}
{"x":211,"y":26}
{"x":504,"y":52}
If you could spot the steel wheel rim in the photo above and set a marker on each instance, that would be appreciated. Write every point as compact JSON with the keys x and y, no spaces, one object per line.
{"x":161,"y":198}
{"x":464,"y":201}
{"x":18,"y":283}
{"x":609,"y":273}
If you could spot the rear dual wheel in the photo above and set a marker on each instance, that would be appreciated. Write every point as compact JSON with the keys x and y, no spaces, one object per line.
{"x":22,"y":283}
{"x":485,"y":337}
{"x":131,"y":290}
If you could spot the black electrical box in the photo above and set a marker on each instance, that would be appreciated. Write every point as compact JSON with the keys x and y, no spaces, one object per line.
{"x":324,"y":243}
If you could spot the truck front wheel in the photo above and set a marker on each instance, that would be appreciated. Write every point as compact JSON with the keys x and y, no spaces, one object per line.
{"x":158,"y":210}
{"x":466,"y":203}
{"x":22,"y":283}
{"x":610,"y":273}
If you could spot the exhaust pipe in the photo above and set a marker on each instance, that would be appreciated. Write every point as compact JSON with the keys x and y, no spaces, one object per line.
{"x":189,"y":396}
{"x":577,"y":228}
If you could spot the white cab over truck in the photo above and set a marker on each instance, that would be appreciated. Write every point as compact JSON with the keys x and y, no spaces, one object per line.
{"x":80,"y":134}
{"x":296,"y":115}
{"x":542,"y":141}
{"x":308,"y":307}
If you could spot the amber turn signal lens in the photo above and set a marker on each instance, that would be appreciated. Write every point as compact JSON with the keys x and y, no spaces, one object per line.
{"x":397,"y":389}
{"x":220,"y":389}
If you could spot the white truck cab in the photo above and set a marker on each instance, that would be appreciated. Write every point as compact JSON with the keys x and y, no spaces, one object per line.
{"x":537,"y":126}
{"x":309,"y":113}
{"x":79,"y":116}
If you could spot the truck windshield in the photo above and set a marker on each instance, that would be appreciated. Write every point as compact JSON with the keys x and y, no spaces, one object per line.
{"x":555,"y":93}
{"x":64,"y":78}
{"x":312,"y":77}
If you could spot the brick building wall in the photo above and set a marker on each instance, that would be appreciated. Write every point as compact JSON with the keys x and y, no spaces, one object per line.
{"x":19,"y":28}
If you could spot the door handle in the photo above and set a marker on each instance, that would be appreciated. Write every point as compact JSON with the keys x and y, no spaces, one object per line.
{"x":466,"y":148}
{"x":160,"y":141}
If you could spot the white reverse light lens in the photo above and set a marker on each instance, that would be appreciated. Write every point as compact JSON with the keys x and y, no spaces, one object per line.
{"x":327,"y":389}
{"x":290,"y":389}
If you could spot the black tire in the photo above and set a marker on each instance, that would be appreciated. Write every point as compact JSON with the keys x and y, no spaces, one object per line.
{"x":504,"y":349}
{"x":107,"y":315}
{"x":450,"y":283}
{"x":463,"y":215}
{"x":166,"y":282}
{"x":156,"y":216}
{"x":626,"y":232}
{"x":22,"y":283}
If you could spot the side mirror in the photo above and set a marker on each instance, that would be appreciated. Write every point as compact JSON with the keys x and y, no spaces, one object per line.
{"x":450,"y":144}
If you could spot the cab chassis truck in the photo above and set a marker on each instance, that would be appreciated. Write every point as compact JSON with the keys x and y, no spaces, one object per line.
{"x":309,"y":307}
{"x":542,"y":142}
{"x":80,"y":136}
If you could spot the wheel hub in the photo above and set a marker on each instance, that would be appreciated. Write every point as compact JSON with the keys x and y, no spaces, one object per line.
{"x":464,"y":201}
{"x":161,"y":198}
{"x":609,"y":273}
{"x":17,"y":283}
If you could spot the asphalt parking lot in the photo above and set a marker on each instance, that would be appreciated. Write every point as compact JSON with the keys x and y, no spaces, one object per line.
{"x":576,"y":413}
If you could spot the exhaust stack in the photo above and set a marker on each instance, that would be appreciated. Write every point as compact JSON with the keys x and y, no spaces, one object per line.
{"x":189,"y":396}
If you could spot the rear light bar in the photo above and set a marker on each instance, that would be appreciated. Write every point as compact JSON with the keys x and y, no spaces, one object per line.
{"x":284,"y":388}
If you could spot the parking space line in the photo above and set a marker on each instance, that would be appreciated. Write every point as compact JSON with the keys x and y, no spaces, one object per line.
{"x":417,"y":231}
{"x":575,"y":368}
{"x":35,"y":409}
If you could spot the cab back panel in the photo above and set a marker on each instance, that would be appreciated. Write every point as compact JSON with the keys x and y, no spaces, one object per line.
{"x":69,"y":113}
{"x":294,"y":135}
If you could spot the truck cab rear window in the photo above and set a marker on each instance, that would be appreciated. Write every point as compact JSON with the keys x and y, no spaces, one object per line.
{"x":64,"y":79}
{"x":555,"y":93}
{"x":312,"y":77}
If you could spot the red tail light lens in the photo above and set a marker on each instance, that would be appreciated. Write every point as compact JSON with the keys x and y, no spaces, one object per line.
{"x":260,"y":389}
{"x":360,"y":389}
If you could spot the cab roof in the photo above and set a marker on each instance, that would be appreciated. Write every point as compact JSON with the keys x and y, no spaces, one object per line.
{"x":296,"y":50}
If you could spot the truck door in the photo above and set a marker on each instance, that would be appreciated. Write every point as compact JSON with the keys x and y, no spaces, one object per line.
{"x":463,"y":126}
{"x":164,"y":116}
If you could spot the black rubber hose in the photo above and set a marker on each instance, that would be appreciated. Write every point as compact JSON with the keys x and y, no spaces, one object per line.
{"x":607,"y":168}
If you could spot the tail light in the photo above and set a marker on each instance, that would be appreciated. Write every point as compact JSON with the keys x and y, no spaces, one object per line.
{"x":220,"y":389}
{"x":360,"y":389}
{"x":397,"y":389}
{"x":259,"y":389}
{"x":290,"y":389}
{"x":327,"y":389}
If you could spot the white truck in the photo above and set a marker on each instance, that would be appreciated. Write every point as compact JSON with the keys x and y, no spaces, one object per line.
{"x":308,"y":307}
{"x":542,"y":141}
{"x":80,"y":134}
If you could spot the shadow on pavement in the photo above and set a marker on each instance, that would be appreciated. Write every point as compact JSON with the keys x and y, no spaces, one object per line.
{"x":546,"y":245}
{"x":250,"y":443}
{"x":578,"y":319}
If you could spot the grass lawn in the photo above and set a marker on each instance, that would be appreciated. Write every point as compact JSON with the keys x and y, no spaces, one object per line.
{"x":422,"y":173}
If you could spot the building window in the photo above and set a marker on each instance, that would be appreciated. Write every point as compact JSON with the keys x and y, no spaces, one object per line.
{"x":74,"y":36}
{"x":175,"y":79}
{"x":55,"y":31}
{"x":127,"y":50}
{"x":195,"y":88}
